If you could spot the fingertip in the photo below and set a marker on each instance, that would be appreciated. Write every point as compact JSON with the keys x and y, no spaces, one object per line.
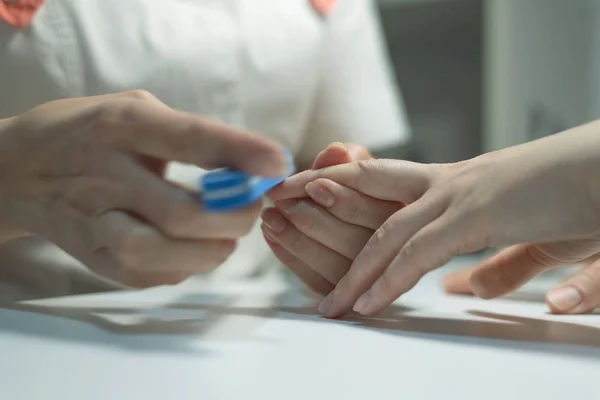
{"x":379,"y":296}
{"x":364,"y":305}
{"x":336,"y":153}
{"x":223,"y":145}
{"x":457,"y":283}
{"x":293,"y":187}
{"x":565,"y":300}
{"x":551,"y":307}
{"x":273,"y":163}
{"x":280,"y":192}
{"x":330,"y":306}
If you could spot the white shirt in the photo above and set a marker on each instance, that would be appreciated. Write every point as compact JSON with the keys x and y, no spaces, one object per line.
{"x":274,"y":66}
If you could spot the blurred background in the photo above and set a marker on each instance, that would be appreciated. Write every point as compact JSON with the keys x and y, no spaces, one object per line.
{"x":479,"y":75}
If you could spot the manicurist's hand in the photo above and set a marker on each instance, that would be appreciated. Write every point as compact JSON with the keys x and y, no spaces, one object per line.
{"x":86,"y":174}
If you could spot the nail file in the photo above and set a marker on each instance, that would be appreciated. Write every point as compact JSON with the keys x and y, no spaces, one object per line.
{"x":223,"y":190}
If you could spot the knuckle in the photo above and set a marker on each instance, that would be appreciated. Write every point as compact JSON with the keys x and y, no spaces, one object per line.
{"x":114,"y":113}
{"x":368,"y":168}
{"x":544,"y":256}
{"x":106,"y":116}
{"x":379,"y":236}
{"x":303,"y":216}
{"x":352,"y":213}
{"x":409,"y":251}
{"x":368,"y":165}
{"x":411,"y":254}
{"x":138,"y":94}
{"x":127,"y":111}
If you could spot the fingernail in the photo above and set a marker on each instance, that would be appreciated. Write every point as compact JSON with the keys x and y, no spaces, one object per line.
{"x":338,"y":144}
{"x":320,"y":195}
{"x":565,"y":298}
{"x":273,"y":220}
{"x":363,"y":304}
{"x":326,"y":303}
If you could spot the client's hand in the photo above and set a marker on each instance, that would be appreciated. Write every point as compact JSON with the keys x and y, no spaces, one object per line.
{"x":504,"y":272}
{"x":541,"y":197}
{"x":318,"y":236}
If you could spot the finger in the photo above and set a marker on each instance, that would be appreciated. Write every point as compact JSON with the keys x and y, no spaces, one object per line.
{"x":580,"y":294}
{"x":175,"y":210}
{"x":328,"y":263}
{"x":104,"y":264}
{"x":516,"y":265}
{"x":59,"y":111}
{"x":509,"y":269}
{"x":321,"y":226}
{"x":358,"y":152}
{"x":310,"y":277}
{"x":334,"y":154}
{"x":146,"y":257}
{"x":150,"y":128}
{"x":393,"y":180}
{"x":379,"y":253}
{"x":457,"y":282}
{"x":351,"y":206}
{"x":430,"y":248}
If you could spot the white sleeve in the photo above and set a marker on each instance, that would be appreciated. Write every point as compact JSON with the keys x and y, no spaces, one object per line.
{"x":358,"y":100}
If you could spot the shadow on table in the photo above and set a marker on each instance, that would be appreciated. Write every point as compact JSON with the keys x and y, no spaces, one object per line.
{"x":32,"y":268}
{"x":530,"y":297}
{"x":175,"y":326}
{"x":99,"y":327}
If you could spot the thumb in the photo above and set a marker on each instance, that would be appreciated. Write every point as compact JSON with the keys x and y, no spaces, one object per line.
{"x":358,"y":152}
{"x":335,"y":154}
{"x":510,"y":269}
{"x":339,"y":153}
{"x":513,"y":267}
{"x":580,"y":294}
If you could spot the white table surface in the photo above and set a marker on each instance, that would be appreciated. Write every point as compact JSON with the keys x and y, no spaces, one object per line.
{"x":249,"y":342}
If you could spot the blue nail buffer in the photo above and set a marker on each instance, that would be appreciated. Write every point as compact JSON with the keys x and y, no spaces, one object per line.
{"x":224,"y":190}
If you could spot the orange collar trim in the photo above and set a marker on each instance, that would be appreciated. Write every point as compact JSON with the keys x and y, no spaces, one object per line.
{"x":19,"y":13}
{"x":323,"y":7}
